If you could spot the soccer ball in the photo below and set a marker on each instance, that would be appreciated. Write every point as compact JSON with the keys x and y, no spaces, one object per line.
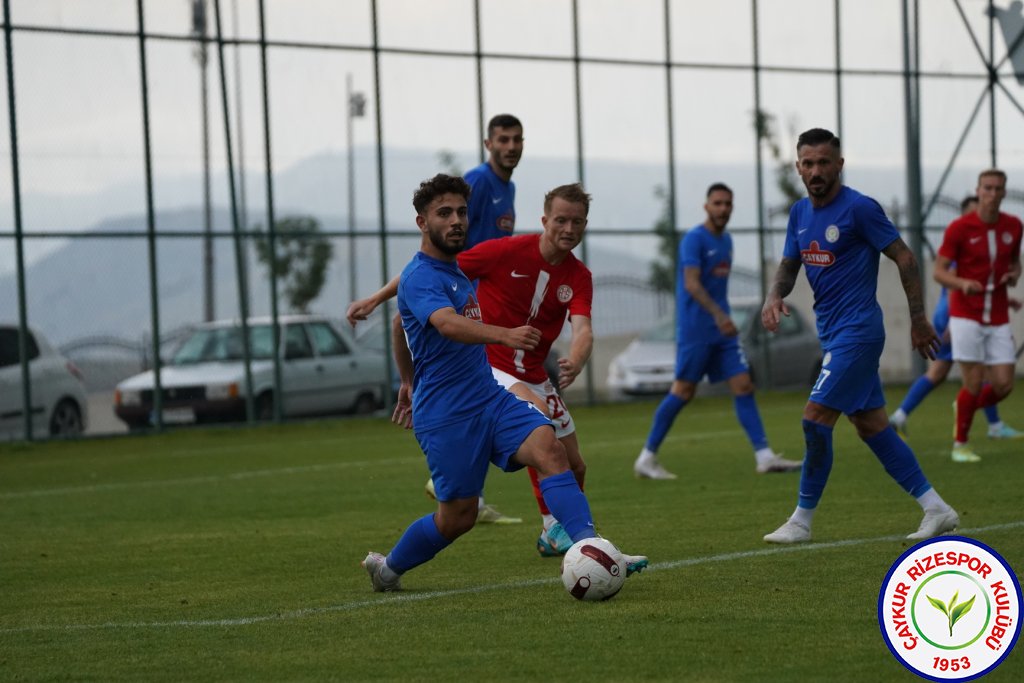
{"x":593,"y":569}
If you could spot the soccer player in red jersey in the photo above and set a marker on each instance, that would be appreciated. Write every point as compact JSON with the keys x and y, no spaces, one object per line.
{"x":985,"y":248}
{"x":536,"y":280}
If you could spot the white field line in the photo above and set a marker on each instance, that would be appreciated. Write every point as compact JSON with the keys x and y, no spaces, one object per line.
{"x":400,"y":598}
{"x":300,"y":469}
{"x":210,"y":479}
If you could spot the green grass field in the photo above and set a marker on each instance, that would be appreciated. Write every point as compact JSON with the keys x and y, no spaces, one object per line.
{"x":233,"y":554}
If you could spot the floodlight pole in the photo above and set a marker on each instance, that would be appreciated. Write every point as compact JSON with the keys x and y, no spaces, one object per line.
{"x":202,"y":57}
{"x":355,"y":103}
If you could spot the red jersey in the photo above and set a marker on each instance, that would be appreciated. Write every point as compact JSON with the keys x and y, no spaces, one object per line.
{"x":982,"y":252}
{"x":518,"y":287}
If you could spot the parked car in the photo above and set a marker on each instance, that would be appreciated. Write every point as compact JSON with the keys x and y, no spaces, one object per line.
{"x":57,"y":393}
{"x":323,"y":371}
{"x":647,"y":365}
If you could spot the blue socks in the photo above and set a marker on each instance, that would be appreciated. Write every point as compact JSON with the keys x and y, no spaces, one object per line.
{"x":569,"y":506}
{"x":918,"y":390}
{"x":899,"y":461}
{"x":750,"y":419}
{"x":420,"y":542}
{"x":817,"y":463}
{"x":664,"y":416}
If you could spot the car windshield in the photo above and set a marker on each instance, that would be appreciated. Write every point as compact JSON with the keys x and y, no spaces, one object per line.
{"x":224,"y":344}
{"x":665,"y":331}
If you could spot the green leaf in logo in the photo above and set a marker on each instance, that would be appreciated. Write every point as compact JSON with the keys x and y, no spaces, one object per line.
{"x":938,"y":604}
{"x":958,"y":611}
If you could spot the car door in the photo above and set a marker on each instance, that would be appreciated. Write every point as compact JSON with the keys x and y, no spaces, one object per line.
{"x":345,"y":374}
{"x":795,"y":349}
{"x":300,"y":374}
{"x":12,"y":406}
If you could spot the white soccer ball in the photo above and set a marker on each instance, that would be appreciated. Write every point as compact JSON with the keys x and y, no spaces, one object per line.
{"x":593,"y":569}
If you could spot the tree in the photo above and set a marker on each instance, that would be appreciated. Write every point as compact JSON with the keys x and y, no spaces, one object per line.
{"x":300,"y":261}
{"x":766,"y":124}
{"x":448,"y":162}
{"x":663,"y":269}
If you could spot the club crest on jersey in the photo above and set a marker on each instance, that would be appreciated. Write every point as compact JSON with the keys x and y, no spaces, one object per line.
{"x":814,"y":255}
{"x":1007,"y":238}
{"x":832,"y":233}
{"x":472,"y":309}
{"x":564,"y":293}
{"x":507,"y":222}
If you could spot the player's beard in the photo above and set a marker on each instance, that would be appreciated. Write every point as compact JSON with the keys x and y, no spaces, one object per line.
{"x":823,"y":189}
{"x":449,"y":248}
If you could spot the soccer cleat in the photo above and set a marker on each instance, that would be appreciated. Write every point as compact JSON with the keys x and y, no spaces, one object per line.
{"x":554,"y":541}
{"x":373,"y":564}
{"x":900,"y":425}
{"x":778,"y":464}
{"x":1004,"y":432}
{"x":790,"y":532}
{"x":936,"y":522}
{"x":965,"y":454}
{"x":651,"y":469}
{"x":429,"y":489}
{"x":635,"y":563}
{"x":488,"y":514}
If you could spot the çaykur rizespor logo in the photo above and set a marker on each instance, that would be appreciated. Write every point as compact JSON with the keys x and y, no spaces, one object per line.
{"x":950,"y":608}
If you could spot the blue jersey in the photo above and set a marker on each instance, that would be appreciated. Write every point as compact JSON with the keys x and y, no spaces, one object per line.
{"x":451,"y":380}
{"x":839,"y":245}
{"x":700,"y":248}
{"x":940,"y":319}
{"x":492,"y":210}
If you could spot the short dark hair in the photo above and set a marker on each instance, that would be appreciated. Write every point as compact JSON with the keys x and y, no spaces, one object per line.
{"x":502,"y":121}
{"x":967,"y":200}
{"x":718,"y":187}
{"x":817,"y":136}
{"x":999,"y":173}
{"x":572,"y":193}
{"x":440,"y":184}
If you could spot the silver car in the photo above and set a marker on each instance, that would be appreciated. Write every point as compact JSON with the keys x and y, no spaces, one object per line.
{"x":58,"y":395}
{"x":323,"y":371}
{"x":647,"y":365}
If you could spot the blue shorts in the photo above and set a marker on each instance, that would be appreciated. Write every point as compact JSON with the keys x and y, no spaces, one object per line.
{"x":849,"y":380}
{"x":719,"y":360}
{"x":458,"y":453}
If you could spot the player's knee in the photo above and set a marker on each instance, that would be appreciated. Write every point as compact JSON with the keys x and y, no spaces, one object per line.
{"x":455,"y":519}
{"x":684,"y":390}
{"x":551,"y":459}
{"x":1003,"y":388}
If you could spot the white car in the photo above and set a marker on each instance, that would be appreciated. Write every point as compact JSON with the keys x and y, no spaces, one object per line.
{"x":58,"y":395}
{"x":323,"y":371}
{"x":647,"y":366}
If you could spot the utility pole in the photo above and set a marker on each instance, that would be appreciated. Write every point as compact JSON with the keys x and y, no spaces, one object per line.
{"x":356,"y":103}
{"x":201,"y":55}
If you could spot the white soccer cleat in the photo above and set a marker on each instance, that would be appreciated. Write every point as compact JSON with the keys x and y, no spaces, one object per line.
{"x":374,"y":564}
{"x":899,"y":424}
{"x":936,"y":522}
{"x":778,"y":464}
{"x":651,"y":469}
{"x":428,"y":488}
{"x":488,"y":514}
{"x":635,"y":563}
{"x":963,"y":453}
{"x":790,"y":532}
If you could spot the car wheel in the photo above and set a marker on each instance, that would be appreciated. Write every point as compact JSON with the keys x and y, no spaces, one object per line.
{"x":365,"y":404}
{"x":66,"y":419}
{"x":265,"y":407}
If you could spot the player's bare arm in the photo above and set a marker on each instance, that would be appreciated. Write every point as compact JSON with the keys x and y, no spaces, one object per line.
{"x":580,"y":348}
{"x":782,"y":284}
{"x":360,"y":309}
{"x":922,"y":334}
{"x":461,"y":329}
{"x":691,"y":281}
{"x":402,"y":414}
{"x":945,"y":274}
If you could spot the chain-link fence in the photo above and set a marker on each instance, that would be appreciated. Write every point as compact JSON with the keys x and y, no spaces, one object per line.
{"x":154,"y":144}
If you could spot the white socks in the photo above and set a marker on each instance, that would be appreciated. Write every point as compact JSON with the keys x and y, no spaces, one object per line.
{"x":931,"y":500}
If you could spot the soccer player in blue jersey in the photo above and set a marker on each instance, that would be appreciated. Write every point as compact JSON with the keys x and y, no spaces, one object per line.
{"x":707,"y":341}
{"x":838,"y":233}
{"x":464,"y":420}
{"x":492,"y":211}
{"x":939,"y":368}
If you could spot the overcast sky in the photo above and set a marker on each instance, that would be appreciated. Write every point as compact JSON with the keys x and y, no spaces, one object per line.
{"x":79,"y":108}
